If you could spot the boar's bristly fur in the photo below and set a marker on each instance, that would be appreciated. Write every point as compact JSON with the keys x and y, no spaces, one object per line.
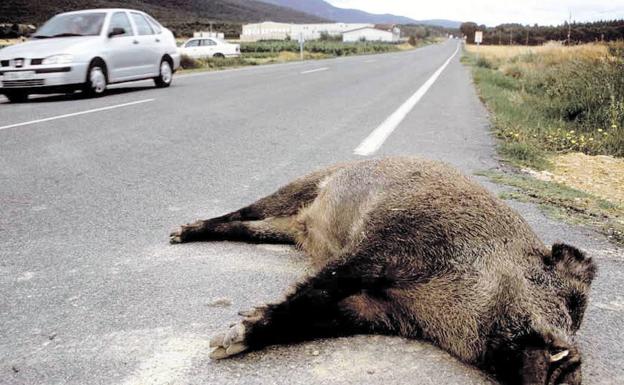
{"x":410,"y":247}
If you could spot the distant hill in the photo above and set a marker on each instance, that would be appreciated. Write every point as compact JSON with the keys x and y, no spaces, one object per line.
{"x":166,"y":11}
{"x":325,"y":10}
{"x":451,"y":24}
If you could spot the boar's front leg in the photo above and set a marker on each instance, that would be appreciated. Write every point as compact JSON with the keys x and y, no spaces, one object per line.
{"x":321,"y":306}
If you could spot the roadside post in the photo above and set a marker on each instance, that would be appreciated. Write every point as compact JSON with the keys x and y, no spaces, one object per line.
{"x":301,"y":42}
{"x":478,"y":40}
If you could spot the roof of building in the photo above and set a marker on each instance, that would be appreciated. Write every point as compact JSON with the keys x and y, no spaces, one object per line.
{"x":359,"y":29}
{"x":385,"y":27}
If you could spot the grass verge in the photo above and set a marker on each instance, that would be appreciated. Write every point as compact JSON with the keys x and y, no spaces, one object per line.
{"x":549,"y":101}
{"x":552,"y":99}
{"x":565,"y":203}
{"x":260,"y":53}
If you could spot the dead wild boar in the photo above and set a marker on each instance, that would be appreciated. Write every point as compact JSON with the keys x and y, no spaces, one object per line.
{"x":410,"y":247}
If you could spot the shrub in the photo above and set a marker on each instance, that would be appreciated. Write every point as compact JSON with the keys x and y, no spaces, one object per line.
{"x":483,"y":62}
{"x":187,"y":62}
{"x":333,"y":48}
{"x":525,"y":154}
{"x":555,"y":98}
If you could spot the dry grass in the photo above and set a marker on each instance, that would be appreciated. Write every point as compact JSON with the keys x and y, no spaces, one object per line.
{"x":564,"y":202}
{"x":8,"y":42}
{"x":519,"y":61}
{"x":601,"y":175}
{"x":283,"y":57}
{"x":553,"y":52}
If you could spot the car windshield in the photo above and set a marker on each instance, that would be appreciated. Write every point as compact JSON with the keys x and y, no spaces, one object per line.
{"x":72,"y":24}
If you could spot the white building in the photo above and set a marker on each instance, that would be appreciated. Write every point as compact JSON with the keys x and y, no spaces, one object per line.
{"x":218,"y":35}
{"x":269,"y":30}
{"x":371,"y":34}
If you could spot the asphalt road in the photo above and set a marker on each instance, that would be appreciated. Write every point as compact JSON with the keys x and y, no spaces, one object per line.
{"x":92,"y":293}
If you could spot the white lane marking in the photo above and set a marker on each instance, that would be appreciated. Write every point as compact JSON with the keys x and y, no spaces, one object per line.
{"x":370,"y":61}
{"x":76,"y":113}
{"x":373,"y":142}
{"x":315,"y":70}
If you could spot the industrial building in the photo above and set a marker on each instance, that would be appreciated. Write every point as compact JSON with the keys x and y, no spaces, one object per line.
{"x":269,"y":30}
{"x":389,"y":35}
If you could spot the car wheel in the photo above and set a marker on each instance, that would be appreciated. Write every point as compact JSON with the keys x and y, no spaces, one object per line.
{"x":219,"y":56}
{"x":17,"y":96}
{"x":96,"y":80}
{"x":166,"y":75}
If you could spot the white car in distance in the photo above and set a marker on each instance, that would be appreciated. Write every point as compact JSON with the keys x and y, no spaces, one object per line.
{"x":208,"y":47}
{"x":87,"y":50}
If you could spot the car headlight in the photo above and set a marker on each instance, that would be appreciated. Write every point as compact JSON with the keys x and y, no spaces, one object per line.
{"x":59,"y":59}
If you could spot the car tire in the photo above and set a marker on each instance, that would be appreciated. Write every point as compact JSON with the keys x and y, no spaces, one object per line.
{"x":165,"y":76}
{"x":96,"y":82}
{"x":17,"y":96}
{"x":219,"y":56}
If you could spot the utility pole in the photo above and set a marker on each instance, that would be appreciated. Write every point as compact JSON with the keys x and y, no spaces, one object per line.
{"x":569,"y":28}
{"x":500,"y":37}
{"x":510,"y":37}
{"x":527,"y":40}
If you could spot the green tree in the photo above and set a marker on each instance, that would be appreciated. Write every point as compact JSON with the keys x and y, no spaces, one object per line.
{"x":468,"y":29}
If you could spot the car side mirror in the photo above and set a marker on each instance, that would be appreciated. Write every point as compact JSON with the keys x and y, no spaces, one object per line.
{"x":116,"y":32}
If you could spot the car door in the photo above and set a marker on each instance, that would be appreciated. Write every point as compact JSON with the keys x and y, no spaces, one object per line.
{"x":192,"y":48}
{"x":209,"y":47}
{"x":160,"y":39}
{"x":146,"y":47}
{"x":121,"y":59}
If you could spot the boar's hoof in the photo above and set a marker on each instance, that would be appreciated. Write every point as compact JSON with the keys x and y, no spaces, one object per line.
{"x":174,"y":238}
{"x":180,"y":235}
{"x":229,"y":343}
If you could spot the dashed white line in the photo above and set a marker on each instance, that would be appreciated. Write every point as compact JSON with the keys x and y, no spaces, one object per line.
{"x":315,"y":70}
{"x":370,"y":61}
{"x":76,"y":114}
{"x":373,"y":142}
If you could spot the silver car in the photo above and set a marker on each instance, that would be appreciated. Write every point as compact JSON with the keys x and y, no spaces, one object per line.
{"x":87,"y":50}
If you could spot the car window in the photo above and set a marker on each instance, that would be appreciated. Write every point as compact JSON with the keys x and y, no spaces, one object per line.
{"x":155,"y":25}
{"x":120,"y":20}
{"x":142,"y":26}
{"x":192,"y":43}
{"x":208,"y":42}
{"x":72,"y":24}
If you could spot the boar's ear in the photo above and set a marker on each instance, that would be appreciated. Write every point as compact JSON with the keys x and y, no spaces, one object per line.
{"x":571,"y":262}
{"x":549,"y":360}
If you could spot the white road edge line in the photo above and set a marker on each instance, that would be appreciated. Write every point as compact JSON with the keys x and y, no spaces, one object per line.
{"x":316,"y":70}
{"x":76,"y":114}
{"x":375,"y":139}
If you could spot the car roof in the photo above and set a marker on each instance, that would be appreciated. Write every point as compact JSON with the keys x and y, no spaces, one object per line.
{"x":207,"y":37}
{"x":104,"y":10}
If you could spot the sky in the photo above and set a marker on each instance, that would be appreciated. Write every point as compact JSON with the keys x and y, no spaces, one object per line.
{"x":494,"y":12}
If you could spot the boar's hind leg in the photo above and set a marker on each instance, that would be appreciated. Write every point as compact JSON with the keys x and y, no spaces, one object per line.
{"x":268,"y":220}
{"x":270,"y":230}
{"x":321,"y":306}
